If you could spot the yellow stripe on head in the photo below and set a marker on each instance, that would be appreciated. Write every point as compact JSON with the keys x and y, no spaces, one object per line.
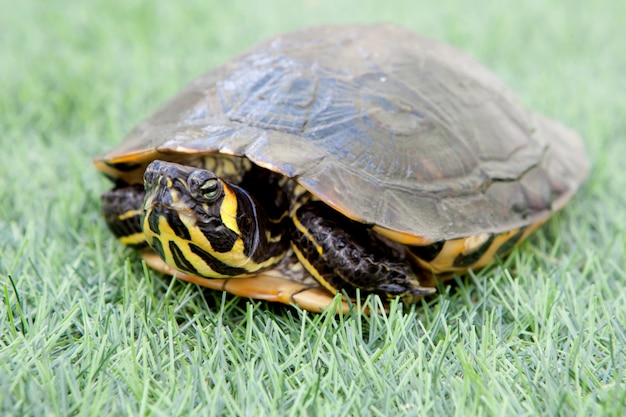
{"x":228,"y":210}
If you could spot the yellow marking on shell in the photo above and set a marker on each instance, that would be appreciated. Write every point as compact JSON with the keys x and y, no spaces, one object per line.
{"x":489,"y":254}
{"x":134,"y":239}
{"x":401,"y":237}
{"x":501,"y":239}
{"x":444,"y":262}
{"x":311,"y":269}
{"x":472,"y":243}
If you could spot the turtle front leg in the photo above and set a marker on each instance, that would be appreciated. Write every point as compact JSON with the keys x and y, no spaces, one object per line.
{"x":122,"y":208}
{"x":344,"y":255}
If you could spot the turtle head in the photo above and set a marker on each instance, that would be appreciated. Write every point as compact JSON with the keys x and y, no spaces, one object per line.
{"x":189,"y":192}
{"x":201,"y":224}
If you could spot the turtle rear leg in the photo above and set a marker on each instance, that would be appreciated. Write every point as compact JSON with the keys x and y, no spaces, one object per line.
{"x":344,"y":255}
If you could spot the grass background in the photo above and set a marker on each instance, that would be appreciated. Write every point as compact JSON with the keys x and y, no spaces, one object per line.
{"x":85,"y":330}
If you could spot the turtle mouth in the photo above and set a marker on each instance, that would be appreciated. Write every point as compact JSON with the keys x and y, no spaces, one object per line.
{"x":166,"y":188}
{"x":168,"y":200}
{"x":168,"y":212}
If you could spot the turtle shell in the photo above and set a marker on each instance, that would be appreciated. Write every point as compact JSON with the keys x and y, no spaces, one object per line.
{"x":388,"y":127}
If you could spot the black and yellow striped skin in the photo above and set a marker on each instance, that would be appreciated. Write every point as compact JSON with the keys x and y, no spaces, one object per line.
{"x":218,"y":234}
{"x":122,"y":208}
{"x":344,"y":256}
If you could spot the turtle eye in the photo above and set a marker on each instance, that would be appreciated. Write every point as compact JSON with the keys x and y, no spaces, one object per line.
{"x":204,"y":186}
{"x":210,"y":189}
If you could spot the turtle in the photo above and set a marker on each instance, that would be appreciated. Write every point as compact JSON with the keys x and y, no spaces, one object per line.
{"x":353,"y":159}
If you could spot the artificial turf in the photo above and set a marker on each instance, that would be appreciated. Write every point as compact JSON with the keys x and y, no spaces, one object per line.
{"x":86,"y":330}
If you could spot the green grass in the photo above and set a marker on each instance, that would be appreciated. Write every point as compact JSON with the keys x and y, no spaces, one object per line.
{"x":85,"y":330}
